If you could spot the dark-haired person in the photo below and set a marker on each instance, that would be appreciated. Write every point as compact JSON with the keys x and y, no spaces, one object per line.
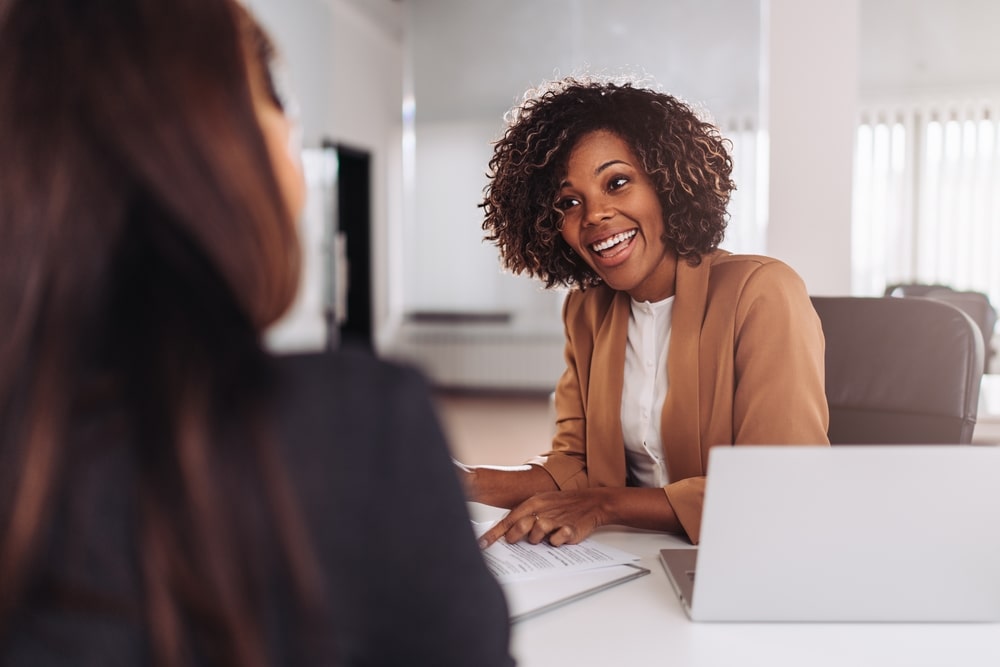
{"x":673,"y":345}
{"x":170,"y":493}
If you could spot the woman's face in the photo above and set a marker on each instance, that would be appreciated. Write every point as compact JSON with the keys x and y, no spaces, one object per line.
{"x":280,"y":135}
{"x":613,"y":218}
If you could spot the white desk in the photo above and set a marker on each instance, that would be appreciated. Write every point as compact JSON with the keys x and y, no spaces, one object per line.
{"x":641,"y":623}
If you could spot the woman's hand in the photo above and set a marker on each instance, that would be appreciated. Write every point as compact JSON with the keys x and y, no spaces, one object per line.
{"x":569,"y":517}
{"x":562,"y":517}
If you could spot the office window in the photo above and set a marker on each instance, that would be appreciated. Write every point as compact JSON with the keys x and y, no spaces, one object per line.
{"x":927,"y":195}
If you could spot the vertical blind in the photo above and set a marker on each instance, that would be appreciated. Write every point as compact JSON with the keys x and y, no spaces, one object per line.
{"x":927,"y":195}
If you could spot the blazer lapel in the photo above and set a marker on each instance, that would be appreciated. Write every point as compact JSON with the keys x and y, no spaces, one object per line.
{"x":605,"y":445}
{"x":681,"y":411}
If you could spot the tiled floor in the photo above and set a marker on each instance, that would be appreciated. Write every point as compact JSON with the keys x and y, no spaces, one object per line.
{"x":495,"y":428}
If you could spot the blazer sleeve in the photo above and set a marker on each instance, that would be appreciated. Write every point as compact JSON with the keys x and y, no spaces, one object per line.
{"x":778,"y":394}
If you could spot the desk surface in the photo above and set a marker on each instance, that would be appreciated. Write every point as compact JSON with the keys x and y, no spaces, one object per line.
{"x":641,"y":623}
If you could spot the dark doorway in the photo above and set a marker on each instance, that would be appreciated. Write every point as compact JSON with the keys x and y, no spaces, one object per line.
{"x":354,"y":221}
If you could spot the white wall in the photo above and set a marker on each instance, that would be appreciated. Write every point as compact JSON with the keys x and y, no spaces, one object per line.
{"x":445,"y":255}
{"x":346,"y":63}
{"x":809,"y":92}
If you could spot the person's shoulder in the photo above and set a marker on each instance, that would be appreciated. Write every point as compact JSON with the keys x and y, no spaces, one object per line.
{"x":330,"y":402}
{"x":352,"y":367}
{"x":726,"y":266}
{"x":723,"y":259}
{"x":344,"y":381}
{"x":758,"y":280}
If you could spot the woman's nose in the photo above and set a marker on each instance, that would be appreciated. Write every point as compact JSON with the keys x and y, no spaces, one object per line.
{"x":598,"y":210}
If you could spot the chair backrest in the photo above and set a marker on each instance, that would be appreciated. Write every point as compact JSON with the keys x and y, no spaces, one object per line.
{"x":900,"y":370}
{"x":912,"y":289}
{"x":977,"y":306}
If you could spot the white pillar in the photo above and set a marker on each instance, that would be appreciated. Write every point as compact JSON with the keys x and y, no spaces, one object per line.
{"x":808,"y":114}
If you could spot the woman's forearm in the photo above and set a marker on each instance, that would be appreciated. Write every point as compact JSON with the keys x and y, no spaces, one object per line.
{"x":506,"y":488}
{"x":639,"y":508}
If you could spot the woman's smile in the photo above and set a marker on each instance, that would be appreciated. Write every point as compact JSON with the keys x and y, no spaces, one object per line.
{"x":613,"y":245}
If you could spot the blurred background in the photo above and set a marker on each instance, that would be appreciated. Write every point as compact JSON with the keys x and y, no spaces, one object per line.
{"x":865,"y":140}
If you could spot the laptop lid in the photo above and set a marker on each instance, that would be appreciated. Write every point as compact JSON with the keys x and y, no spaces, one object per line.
{"x":850,"y":533}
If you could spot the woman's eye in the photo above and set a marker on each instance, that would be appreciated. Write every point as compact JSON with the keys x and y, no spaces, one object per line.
{"x":566,"y":203}
{"x":617,"y":182}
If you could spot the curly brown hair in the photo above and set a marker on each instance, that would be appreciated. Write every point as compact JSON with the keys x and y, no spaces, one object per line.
{"x":687,"y":159}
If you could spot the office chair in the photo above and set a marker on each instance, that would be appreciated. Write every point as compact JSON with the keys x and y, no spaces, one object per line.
{"x":912,"y":289}
{"x":900,"y":370}
{"x":976,"y":305}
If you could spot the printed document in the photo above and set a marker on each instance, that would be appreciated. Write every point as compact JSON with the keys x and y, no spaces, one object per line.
{"x":523,"y":560}
{"x":537,"y":578}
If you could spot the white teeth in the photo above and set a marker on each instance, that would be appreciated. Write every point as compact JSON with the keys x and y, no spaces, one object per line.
{"x":613,"y":241}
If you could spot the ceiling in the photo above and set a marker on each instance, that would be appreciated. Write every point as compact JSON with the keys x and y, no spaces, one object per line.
{"x":471,"y":58}
{"x":929,"y":44}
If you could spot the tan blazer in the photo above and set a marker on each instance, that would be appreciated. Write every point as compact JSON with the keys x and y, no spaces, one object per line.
{"x":744,"y":366}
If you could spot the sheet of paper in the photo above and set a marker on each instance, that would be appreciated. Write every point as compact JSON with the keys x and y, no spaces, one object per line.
{"x":521,"y":561}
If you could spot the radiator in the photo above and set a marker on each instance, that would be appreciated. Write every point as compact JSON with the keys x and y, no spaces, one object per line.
{"x":464,"y":358}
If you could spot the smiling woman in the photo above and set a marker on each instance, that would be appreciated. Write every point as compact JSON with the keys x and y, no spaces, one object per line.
{"x":672,"y":344}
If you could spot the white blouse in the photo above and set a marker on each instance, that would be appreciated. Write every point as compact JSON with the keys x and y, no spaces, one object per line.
{"x":645,"y":390}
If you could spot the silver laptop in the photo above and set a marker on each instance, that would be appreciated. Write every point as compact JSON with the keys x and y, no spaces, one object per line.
{"x":845,"y":533}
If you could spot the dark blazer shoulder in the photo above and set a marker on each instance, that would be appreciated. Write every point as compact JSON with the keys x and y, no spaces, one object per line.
{"x":337,"y":367}
{"x":348,"y":375}
{"x":345,"y":396}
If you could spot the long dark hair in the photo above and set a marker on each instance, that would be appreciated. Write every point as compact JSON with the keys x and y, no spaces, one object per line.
{"x":144,"y":245}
